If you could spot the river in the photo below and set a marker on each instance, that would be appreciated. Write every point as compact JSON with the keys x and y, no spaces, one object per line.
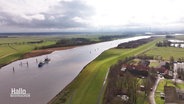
{"x":45,"y":82}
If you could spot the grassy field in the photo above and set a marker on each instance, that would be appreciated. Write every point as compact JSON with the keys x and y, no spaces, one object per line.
{"x":134,"y":61}
{"x":86,"y":88}
{"x":154,"y":63}
{"x":160,"y":88}
{"x":14,"y":48}
{"x":166,"y":52}
{"x":180,"y":37}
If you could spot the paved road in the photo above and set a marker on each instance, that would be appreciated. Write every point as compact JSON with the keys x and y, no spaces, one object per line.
{"x":152,"y":93}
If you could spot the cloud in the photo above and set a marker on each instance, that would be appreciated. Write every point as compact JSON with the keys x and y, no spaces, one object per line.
{"x":63,"y":15}
{"x":40,"y":17}
{"x":36,"y":15}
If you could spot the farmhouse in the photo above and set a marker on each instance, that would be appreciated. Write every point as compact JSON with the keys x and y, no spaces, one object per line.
{"x":173,"y":95}
{"x":138,"y":70}
{"x":170,"y":95}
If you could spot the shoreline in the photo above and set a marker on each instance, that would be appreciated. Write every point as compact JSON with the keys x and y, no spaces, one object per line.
{"x":40,"y":52}
{"x":35,"y":53}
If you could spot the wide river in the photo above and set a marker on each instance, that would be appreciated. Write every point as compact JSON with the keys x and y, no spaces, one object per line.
{"x":45,"y":82}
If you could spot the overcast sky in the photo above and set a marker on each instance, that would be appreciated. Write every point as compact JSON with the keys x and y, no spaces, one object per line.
{"x":90,"y":15}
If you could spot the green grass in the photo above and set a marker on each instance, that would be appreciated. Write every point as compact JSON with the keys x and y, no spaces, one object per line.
{"x":85,"y":89}
{"x":18,"y":46}
{"x":141,"y":98}
{"x":154,"y":64}
{"x":134,"y":61}
{"x":158,"y":100}
{"x":17,"y":40}
{"x":179,"y":37}
{"x":166,"y":52}
{"x":160,"y":88}
{"x":6,"y":51}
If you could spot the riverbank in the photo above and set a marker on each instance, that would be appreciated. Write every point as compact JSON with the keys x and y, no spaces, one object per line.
{"x":40,"y":52}
{"x":86,"y":87}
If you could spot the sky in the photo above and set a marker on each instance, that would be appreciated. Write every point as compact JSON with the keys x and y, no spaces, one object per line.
{"x":90,"y":15}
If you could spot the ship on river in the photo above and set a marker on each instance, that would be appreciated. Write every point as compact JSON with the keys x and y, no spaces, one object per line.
{"x":46,"y":61}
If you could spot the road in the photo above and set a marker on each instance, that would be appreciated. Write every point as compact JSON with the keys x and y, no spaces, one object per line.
{"x":103,"y":87}
{"x":152,"y":93}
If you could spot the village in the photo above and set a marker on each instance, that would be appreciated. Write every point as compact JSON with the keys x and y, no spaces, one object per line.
{"x":145,"y":78}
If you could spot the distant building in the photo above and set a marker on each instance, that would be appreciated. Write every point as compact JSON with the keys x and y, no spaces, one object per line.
{"x":162,"y":63}
{"x":180,"y":94}
{"x":138,"y":70}
{"x":168,"y":74}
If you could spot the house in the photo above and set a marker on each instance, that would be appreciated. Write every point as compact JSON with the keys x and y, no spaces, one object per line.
{"x":145,"y":63}
{"x":161,"y":69}
{"x":123,"y":97}
{"x":162,"y":63}
{"x":138,"y":70}
{"x":170,"y":95}
{"x":180,"y":94}
{"x":173,"y":95}
{"x":168,"y":74}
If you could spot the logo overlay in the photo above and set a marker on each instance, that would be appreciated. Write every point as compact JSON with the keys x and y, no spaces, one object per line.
{"x":20,"y":92}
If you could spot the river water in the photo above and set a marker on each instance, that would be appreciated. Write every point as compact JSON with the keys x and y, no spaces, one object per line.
{"x":45,"y":82}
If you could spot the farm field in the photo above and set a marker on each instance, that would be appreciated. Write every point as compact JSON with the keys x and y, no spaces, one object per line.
{"x":166,"y":52}
{"x":10,"y":53}
{"x":14,"y":48}
{"x":180,"y":37}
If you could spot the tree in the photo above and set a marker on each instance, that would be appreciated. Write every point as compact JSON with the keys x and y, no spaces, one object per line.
{"x":179,"y":45}
{"x":171,"y":62}
{"x":179,"y":60}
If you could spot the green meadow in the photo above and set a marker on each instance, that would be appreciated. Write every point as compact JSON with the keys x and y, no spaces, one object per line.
{"x":14,"y":48}
{"x":166,"y":52}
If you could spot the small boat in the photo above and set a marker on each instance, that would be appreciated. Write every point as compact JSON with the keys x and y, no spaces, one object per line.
{"x":46,"y":60}
{"x":41,"y":64}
